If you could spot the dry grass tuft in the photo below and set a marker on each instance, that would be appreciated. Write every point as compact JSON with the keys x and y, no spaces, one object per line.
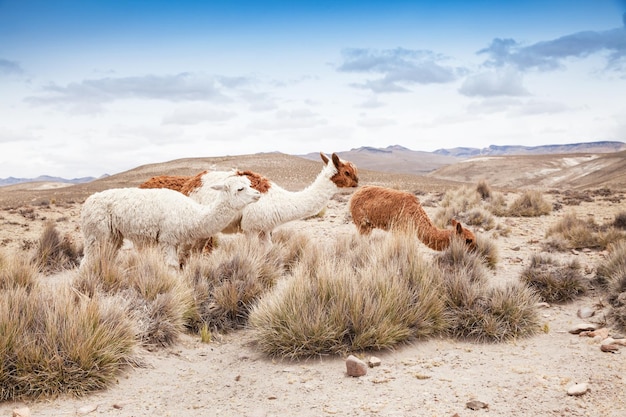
{"x":611,"y":275}
{"x":157,"y":297}
{"x":58,"y":342}
{"x":620,"y":221}
{"x":53,"y":253}
{"x":229,"y":282}
{"x":553,"y":281}
{"x":15,"y":271}
{"x":529,"y":204}
{"x":484,"y":190}
{"x":578,"y":233}
{"x":330,"y":306}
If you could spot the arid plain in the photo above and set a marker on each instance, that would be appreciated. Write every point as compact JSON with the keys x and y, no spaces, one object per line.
{"x":434,"y":377}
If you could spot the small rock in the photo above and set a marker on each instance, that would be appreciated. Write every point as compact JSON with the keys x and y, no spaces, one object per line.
{"x":543,"y":304}
{"x":355,"y":367}
{"x":575,"y":252}
{"x":476,"y":405}
{"x":87,"y":409}
{"x":609,"y":347}
{"x":578,"y":389}
{"x":374,"y":361}
{"x":602,"y":333}
{"x":585,"y":312}
{"x":21,"y":412}
{"x":583,"y":327}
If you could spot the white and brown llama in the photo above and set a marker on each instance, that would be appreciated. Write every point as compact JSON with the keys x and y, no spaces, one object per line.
{"x":374,"y":207}
{"x":276,"y":206}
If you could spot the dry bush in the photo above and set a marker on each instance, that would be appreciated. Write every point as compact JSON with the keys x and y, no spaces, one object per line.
{"x":161,"y":301}
{"x":529,"y":204}
{"x":611,"y":276}
{"x":227,"y":283}
{"x":478,"y":217}
{"x":15,"y":271}
{"x":57,"y":341}
{"x":497,"y":205}
{"x":484,"y":190}
{"x":553,"y":281}
{"x":53,"y":253}
{"x":455,"y":203}
{"x":620,"y":221}
{"x":330,"y":306}
{"x":484,"y":314}
{"x":580,"y":234}
{"x":478,"y":312}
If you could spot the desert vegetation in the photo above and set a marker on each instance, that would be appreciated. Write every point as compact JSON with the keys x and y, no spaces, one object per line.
{"x":299,"y":297}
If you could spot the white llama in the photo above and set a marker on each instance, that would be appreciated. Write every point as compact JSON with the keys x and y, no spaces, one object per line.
{"x":276,"y":205}
{"x":163,"y":217}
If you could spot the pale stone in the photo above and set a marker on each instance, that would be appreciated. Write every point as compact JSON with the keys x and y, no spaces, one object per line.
{"x":21,"y":412}
{"x":585,"y":312}
{"x":578,"y":389}
{"x":583,"y":327}
{"x":374,"y":361}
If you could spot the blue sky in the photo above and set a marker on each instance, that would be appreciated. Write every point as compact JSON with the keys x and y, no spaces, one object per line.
{"x":92,"y":87}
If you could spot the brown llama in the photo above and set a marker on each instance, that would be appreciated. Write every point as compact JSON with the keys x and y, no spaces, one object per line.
{"x":375,"y":207}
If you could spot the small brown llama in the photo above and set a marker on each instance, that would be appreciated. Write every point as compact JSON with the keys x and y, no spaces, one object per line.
{"x":375,"y":207}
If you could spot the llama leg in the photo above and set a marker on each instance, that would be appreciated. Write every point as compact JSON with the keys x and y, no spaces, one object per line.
{"x":171,"y":256}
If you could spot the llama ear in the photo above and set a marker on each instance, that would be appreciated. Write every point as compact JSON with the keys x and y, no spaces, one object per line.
{"x":458,"y":226}
{"x":336,"y":160}
{"x":324,"y":158}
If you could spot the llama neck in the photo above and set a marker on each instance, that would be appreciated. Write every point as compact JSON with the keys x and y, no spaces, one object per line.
{"x":313,"y":198}
{"x":432,"y":236}
{"x":211,"y":218}
{"x":435,"y":238}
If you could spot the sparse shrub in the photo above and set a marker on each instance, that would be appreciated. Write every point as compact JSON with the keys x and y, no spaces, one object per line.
{"x":479,"y":217}
{"x":489,"y":315}
{"x":57,"y":342}
{"x":230,"y":281}
{"x":529,"y":204}
{"x":620,"y":221}
{"x":331,"y":307}
{"x":16,"y":271}
{"x":497,"y":205}
{"x":584,"y":234}
{"x":484,"y":190}
{"x":611,"y":276}
{"x":158,"y":298}
{"x":554,"y":243}
{"x":455,"y":203}
{"x":53,"y":253}
{"x":552,"y":281}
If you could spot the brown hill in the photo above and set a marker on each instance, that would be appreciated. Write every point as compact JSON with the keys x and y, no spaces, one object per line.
{"x":573,"y":171}
{"x":291,"y":172}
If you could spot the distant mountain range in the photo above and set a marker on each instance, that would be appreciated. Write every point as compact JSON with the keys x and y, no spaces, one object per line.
{"x":44,"y":178}
{"x":399,"y":159}
{"x":493,"y":150}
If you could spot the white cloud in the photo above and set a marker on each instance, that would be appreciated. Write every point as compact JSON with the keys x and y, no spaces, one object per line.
{"x":501,"y":82}
{"x":192,"y":115}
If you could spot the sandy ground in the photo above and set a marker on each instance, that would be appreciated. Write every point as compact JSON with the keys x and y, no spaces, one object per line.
{"x":436,"y":377}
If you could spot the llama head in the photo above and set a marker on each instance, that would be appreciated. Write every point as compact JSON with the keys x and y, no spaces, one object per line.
{"x":238,"y":189}
{"x":346,"y":173}
{"x":467,"y":235}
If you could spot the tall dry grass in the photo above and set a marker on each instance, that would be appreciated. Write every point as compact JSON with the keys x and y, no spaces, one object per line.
{"x":54,"y":253}
{"x":55,"y":340}
{"x":227,"y":283}
{"x":611,"y":277}
{"x":554,"y":281}
{"x":336,"y":303}
{"x":159,"y":299}
{"x":572,"y":232}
